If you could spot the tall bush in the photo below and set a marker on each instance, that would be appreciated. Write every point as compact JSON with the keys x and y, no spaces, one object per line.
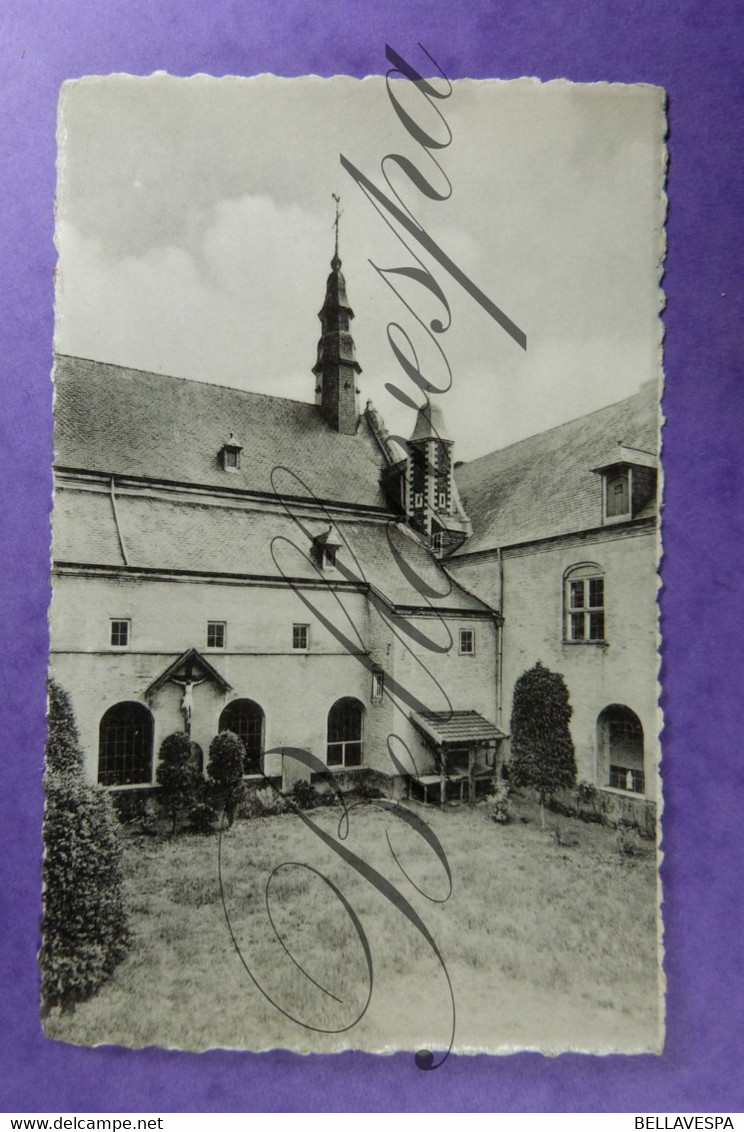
{"x":63,"y":751}
{"x":542,"y":748}
{"x":84,"y":925}
{"x":177,"y":776}
{"x":226,"y":768}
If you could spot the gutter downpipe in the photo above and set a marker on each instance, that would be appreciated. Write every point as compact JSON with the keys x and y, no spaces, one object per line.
{"x":116,"y":523}
{"x":500,"y":679}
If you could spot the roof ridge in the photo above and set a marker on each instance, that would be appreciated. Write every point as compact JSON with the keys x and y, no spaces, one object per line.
{"x":556,"y":428}
{"x":190,"y":380}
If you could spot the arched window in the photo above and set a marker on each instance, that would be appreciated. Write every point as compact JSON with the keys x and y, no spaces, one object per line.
{"x":620,"y":743}
{"x":583,"y":603}
{"x":345,"y":733}
{"x":246,"y":719}
{"x":125,"y":745}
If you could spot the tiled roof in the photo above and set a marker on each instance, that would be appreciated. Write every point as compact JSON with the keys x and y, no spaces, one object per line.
{"x":161,"y":533}
{"x":544,"y":486}
{"x":116,"y":420}
{"x":444,"y":727}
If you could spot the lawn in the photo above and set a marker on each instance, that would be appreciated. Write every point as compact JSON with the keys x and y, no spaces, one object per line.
{"x":549,"y":938}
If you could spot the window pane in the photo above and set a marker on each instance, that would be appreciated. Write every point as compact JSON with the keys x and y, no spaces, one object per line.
{"x":577,"y":626}
{"x":334,"y":754}
{"x":245,"y":719}
{"x":125,"y":746}
{"x":353,"y":754}
{"x":215,"y":634}
{"x":596,"y":592}
{"x":576,"y":595}
{"x":119,"y":633}
{"x":626,"y":778}
{"x":596,"y":626}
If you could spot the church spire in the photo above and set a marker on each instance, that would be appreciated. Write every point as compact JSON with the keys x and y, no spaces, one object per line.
{"x":336,"y":368}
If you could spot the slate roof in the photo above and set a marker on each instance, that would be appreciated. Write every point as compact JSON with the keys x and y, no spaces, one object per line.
{"x":544,"y":486}
{"x":448,"y":727}
{"x":171,"y":534}
{"x":129,"y":422}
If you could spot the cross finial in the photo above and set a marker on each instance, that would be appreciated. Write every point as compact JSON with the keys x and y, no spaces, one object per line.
{"x":339,"y":214}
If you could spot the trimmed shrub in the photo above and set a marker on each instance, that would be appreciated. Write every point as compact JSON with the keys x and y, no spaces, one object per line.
{"x":202,"y":818}
{"x":542,"y":748}
{"x":305,"y":795}
{"x":226,"y":769}
{"x":84,"y":925}
{"x":177,"y":776}
{"x":63,"y":751}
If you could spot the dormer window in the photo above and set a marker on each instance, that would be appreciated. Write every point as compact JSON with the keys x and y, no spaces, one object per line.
{"x":325,"y":548}
{"x":628,"y":483}
{"x":230,"y":455}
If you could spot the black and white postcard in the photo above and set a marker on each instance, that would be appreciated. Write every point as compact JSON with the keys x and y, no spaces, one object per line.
{"x":354,"y":725}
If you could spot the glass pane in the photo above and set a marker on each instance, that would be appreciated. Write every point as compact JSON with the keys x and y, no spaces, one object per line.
{"x":334,"y":754}
{"x":596,"y":592}
{"x":353,"y":754}
{"x":577,"y":626}
{"x":596,"y":626}
{"x":576,"y":595}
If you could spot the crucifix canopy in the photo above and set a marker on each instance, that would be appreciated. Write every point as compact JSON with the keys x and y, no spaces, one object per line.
{"x":190,"y":665}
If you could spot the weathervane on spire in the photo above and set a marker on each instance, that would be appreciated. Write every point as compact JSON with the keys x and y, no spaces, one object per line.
{"x":336,"y":221}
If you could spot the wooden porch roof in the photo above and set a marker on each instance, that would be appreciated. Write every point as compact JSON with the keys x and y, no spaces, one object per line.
{"x":455,"y":728}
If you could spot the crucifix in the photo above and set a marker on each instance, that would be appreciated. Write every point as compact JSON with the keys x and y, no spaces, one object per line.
{"x":338,"y":217}
{"x":187,"y":700}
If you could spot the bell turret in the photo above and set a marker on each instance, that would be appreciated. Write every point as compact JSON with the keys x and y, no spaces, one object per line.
{"x":336,"y":369}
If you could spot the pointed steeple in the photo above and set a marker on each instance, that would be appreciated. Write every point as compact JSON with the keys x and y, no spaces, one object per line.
{"x":336,"y":368}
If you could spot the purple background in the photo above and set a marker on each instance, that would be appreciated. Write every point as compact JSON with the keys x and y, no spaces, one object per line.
{"x":694,"y":49}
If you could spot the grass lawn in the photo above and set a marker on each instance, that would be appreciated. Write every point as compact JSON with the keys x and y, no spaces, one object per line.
{"x":549,"y":939}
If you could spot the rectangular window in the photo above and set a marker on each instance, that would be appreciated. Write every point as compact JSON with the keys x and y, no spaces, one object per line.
{"x":120,"y":633}
{"x":418,"y":499}
{"x":467,"y":642}
{"x":378,"y":685}
{"x":215,"y":634}
{"x":585,"y":619}
{"x":300,"y":634}
{"x":618,"y":495}
{"x":442,"y":498}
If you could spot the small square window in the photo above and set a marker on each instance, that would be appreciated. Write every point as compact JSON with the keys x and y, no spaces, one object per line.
{"x":467,"y":642}
{"x":300,"y":634}
{"x":215,"y":634}
{"x":120,"y":633}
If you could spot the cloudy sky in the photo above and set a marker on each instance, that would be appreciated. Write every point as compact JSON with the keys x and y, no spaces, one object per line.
{"x":194,"y":229}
